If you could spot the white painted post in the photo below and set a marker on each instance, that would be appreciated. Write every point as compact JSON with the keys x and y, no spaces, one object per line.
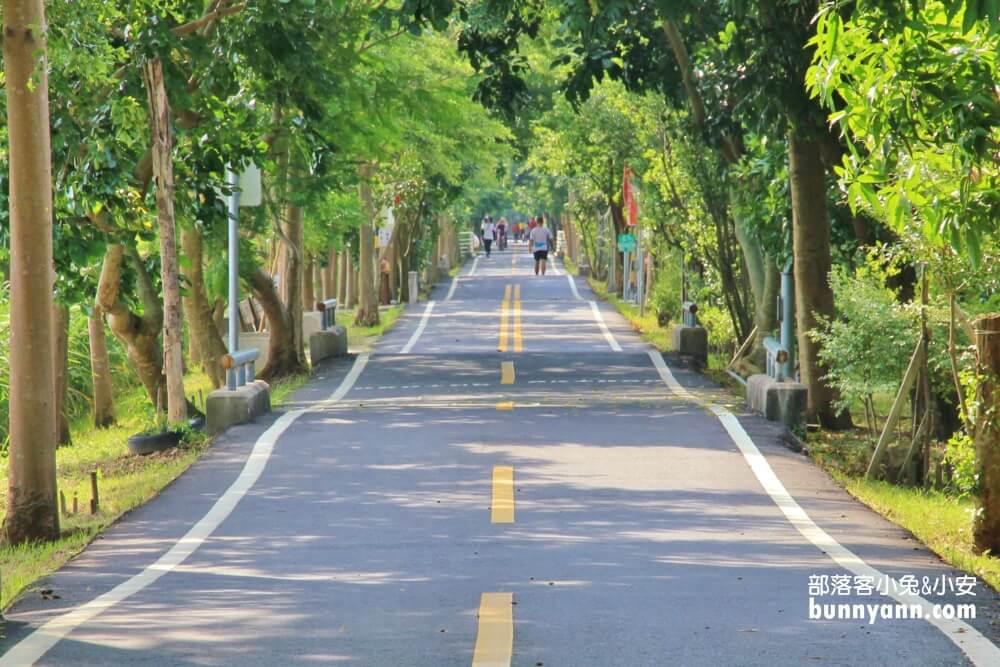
{"x":414,"y":286}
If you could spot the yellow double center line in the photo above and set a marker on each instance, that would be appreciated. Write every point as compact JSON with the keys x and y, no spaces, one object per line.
{"x":510,"y":313}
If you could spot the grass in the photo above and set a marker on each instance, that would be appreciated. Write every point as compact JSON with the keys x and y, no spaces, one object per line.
{"x":647,"y":324}
{"x":126,"y":481}
{"x":361,"y":339}
{"x":939,"y":519}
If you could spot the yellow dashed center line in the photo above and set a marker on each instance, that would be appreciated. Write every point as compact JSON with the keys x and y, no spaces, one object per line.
{"x":518,"y":343}
{"x":505,"y":405}
{"x":502,"y":507}
{"x":507,"y":372}
{"x":504,"y":315}
{"x":495,"y":637}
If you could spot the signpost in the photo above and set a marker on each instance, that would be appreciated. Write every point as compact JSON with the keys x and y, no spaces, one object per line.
{"x":245,"y":190}
{"x":630,"y":201}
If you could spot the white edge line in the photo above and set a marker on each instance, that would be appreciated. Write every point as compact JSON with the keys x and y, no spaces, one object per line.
{"x":475,"y":263}
{"x":34,"y":646}
{"x":980,"y":650}
{"x":420,"y":329}
{"x":604,"y":327}
{"x":572,"y":286}
{"x":451,"y":290}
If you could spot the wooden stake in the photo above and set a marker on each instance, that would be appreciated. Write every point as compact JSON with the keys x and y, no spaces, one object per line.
{"x":95,"y":501}
{"x":62,"y":503}
{"x":75,"y":507}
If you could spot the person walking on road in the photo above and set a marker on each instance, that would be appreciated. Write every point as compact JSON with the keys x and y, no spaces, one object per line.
{"x":540,"y":240}
{"x":489,"y":233}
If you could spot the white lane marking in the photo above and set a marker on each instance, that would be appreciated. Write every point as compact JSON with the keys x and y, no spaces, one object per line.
{"x":572,"y":286}
{"x":980,"y":650}
{"x":555,"y":269}
{"x":475,"y":263}
{"x":420,"y":329}
{"x":451,"y":290}
{"x":35,"y":645}
{"x":604,"y":327}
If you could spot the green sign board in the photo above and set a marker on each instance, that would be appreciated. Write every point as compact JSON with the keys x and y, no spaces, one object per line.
{"x":626,"y":242}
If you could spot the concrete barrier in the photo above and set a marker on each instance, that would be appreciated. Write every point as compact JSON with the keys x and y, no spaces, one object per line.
{"x":778,"y":401}
{"x":691,"y":341}
{"x":326,"y":344}
{"x":225,"y":408}
{"x":312,"y":321}
{"x":260,"y":340}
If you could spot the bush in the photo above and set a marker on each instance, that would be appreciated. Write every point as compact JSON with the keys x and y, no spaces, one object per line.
{"x":868,"y":348}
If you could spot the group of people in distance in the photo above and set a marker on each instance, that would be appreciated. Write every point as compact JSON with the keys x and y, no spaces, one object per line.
{"x":535,"y":232}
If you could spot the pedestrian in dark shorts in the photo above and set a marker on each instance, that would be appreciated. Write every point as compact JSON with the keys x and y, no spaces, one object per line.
{"x":539,"y":240}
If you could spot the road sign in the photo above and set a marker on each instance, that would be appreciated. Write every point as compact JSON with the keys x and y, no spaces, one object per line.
{"x":626,"y":242}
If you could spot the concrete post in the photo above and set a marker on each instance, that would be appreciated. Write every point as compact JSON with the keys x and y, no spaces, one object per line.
{"x":414,"y":286}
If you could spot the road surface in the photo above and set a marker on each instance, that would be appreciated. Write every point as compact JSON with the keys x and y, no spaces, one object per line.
{"x":512,"y":478}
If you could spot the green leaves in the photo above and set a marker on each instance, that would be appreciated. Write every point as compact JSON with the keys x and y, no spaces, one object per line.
{"x":915,"y":99}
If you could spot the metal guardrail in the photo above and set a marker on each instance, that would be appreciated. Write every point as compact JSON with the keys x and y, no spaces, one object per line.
{"x":464,"y":244}
{"x":777,"y":355}
{"x":239,"y":367}
{"x":328,"y":313}
{"x":689,"y":313}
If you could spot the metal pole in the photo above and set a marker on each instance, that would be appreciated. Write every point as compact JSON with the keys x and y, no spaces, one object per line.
{"x":640,"y":280}
{"x":234,"y":271}
{"x":788,"y":321}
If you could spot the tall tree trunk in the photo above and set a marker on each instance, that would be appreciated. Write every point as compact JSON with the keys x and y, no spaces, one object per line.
{"x":31,"y":476}
{"x":309,"y":283}
{"x":140,"y":335}
{"x":282,"y":359}
{"x":100,"y":371}
{"x":60,"y":355}
{"x":293,"y":279}
{"x":344,"y":278}
{"x":813,"y":295}
{"x":367,"y":314}
{"x":986,"y":530}
{"x":329,"y":276}
{"x":199,"y":312}
{"x":352,"y":286}
{"x":765,"y":282}
{"x":163,"y":171}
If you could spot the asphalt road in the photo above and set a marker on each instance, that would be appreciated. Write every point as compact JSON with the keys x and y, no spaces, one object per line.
{"x":507,"y":480}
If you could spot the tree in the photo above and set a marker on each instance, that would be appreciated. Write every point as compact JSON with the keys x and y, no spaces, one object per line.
{"x":910,"y":88}
{"x":31,"y":495}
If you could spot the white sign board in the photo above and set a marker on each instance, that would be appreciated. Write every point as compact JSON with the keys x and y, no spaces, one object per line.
{"x":385,"y":231}
{"x":250,"y":189}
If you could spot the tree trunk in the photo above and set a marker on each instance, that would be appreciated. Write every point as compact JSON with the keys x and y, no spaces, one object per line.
{"x":344,"y":278}
{"x":986,"y":530}
{"x":100,"y":371}
{"x":31,"y":477}
{"x":140,"y":335}
{"x":60,"y":355}
{"x":367,"y":314}
{"x":292,"y":280}
{"x":200,"y":313}
{"x":282,"y":359}
{"x":329,"y":276}
{"x":352,"y":287}
{"x":765,"y":282}
{"x":813,"y":295}
{"x":163,"y":171}
{"x":309,"y":283}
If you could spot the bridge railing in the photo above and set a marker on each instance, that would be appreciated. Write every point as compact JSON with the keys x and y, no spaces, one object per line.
{"x":328,"y":313}
{"x":689,"y":313}
{"x":239,"y":367}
